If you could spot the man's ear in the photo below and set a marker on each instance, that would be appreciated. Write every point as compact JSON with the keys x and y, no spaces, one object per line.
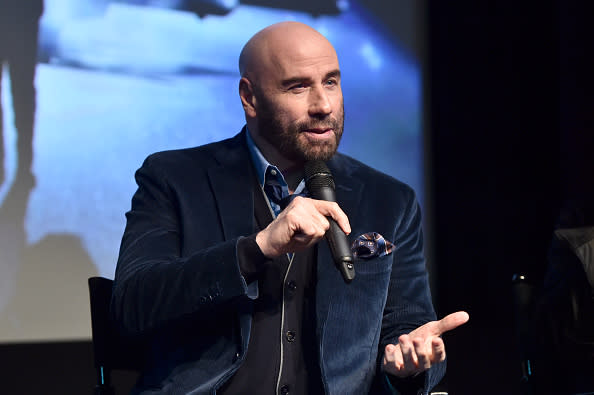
{"x":248,"y":99}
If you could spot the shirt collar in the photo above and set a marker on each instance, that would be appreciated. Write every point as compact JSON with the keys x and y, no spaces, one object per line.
{"x":262,"y":166}
{"x":260,"y":163}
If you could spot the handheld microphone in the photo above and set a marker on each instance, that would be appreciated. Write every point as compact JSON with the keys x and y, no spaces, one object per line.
{"x":320,"y":185}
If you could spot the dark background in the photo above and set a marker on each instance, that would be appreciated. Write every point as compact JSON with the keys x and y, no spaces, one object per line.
{"x":510,"y":134}
{"x":511,"y":130}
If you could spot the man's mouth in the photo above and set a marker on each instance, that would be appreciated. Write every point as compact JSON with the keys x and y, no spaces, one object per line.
{"x":319,"y":133}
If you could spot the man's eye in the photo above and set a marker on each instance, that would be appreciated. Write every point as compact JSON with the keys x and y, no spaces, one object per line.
{"x":297,"y":86}
{"x":331,"y":82}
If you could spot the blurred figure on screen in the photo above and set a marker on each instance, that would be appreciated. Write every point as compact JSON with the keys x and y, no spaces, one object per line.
{"x":19,"y":27}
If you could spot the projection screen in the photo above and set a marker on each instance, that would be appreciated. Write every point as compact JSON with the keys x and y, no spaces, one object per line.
{"x":117,"y":80}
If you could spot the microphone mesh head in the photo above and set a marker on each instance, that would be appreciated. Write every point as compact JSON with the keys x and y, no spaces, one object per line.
{"x":317,"y":175}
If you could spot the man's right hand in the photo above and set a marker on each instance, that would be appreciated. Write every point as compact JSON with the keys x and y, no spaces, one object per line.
{"x":301,"y":224}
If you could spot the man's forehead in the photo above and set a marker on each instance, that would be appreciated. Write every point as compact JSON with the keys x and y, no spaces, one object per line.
{"x":313,"y":57}
{"x":286,"y":45}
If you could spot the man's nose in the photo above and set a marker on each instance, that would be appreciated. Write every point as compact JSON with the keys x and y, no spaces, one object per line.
{"x":319,"y":102}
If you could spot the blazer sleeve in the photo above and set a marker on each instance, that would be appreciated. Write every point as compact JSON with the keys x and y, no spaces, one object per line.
{"x":409,"y":303}
{"x":154,"y":284}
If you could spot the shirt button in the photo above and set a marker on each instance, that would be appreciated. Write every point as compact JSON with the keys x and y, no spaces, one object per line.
{"x":284,"y":390}
{"x":273,"y":172}
{"x":290,"y":336}
{"x":292,"y":285}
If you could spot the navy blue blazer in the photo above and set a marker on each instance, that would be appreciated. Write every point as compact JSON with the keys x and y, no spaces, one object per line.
{"x":178,"y":282}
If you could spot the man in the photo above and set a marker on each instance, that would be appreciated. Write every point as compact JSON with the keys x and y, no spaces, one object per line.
{"x":19,"y":26}
{"x":236,"y":295}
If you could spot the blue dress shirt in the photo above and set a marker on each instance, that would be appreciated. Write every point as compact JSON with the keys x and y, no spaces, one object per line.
{"x":266,"y":172}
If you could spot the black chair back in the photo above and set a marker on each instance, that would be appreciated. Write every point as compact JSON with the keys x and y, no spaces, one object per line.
{"x":111,"y":350}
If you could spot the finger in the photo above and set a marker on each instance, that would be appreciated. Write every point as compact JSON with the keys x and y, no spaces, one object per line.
{"x":409,"y":356}
{"x":438,"y":349}
{"x":398,"y":359}
{"x":452,"y":321}
{"x":393,"y":356}
{"x":393,"y":361}
{"x":423,"y":353}
{"x":322,"y":223}
{"x":307,"y":221}
{"x":332,"y":209}
{"x":312,"y":226}
{"x":306,"y":217}
{"x":389,"y":354}
{"x":303,"y":238}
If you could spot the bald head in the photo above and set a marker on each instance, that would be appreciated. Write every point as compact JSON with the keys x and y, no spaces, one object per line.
{"x":291,"y":94}
{"x":284,"y":40}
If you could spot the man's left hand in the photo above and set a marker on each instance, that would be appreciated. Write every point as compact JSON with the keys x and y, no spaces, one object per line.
{"x":421,"y":348}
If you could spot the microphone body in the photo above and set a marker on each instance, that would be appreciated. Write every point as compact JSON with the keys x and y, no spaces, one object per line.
{"x":320,"y":184}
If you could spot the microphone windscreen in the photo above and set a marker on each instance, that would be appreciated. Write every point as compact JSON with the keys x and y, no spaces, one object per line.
{"x":317,"y":175}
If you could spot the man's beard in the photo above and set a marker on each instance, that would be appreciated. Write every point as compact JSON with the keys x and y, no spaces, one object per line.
{"x":287,"y":139}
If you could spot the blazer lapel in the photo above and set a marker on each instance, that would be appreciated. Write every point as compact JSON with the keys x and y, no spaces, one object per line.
{"x":348,"y":195}
{"x":231,"y":181}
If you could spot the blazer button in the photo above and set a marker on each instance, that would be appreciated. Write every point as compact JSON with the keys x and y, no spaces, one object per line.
{"x":292,"y":285}
{"x":290,"y":336}
{"x":284,"y":390}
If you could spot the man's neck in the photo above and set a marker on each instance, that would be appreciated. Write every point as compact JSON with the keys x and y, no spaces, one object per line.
{"x":275,"y":158}
{"x":292,"y":171}
{"x":293,"y":177}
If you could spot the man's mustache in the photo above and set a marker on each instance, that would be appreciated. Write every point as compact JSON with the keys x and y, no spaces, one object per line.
{"x":328,"y":124}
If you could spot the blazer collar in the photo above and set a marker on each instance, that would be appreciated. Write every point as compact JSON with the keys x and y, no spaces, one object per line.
{"x":349,"y":188}
{"x":232,"y":182}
